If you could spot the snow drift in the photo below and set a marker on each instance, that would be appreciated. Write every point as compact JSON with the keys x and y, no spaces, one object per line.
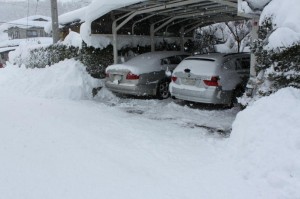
{"x":266,"y":142}
{"x":65,"y":80}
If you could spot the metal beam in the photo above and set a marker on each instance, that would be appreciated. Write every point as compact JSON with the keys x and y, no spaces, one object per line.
{"x":152,"y":33}
{"x":114,"y":33}
{"x":157,"y":8}
{"x":213,"y":20}
{"x":168,"y":8}
{"x":191,"y":15}
{"x":143,"y":19}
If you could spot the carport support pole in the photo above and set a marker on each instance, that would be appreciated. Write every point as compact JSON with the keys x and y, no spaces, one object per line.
{"x":254,"y":36}
{"x":181,"y":39}
{"x":115,"y":49}
{"x":152,"y":37}
{"x":252,"y":83}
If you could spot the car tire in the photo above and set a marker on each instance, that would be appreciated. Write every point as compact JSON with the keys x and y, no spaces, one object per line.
{"x":162,"y":91}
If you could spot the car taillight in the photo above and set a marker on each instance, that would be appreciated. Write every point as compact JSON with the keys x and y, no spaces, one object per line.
{"x":214,"y":81}
{"x":173,"y":78}
{"x":131,"y":76}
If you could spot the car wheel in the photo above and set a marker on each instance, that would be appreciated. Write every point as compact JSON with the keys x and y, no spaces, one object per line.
{"x":163,"y":90}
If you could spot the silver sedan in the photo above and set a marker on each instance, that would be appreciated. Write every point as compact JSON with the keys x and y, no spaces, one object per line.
{"x":144,"y":75}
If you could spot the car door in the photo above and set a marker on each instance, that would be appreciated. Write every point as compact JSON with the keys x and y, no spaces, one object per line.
{"x":229,"y":77}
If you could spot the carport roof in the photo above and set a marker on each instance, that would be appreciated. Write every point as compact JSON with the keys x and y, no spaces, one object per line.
{"x":182,"y":12}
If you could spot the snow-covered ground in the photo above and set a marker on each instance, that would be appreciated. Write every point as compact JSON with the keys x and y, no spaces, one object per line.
{"x":56,"y":141}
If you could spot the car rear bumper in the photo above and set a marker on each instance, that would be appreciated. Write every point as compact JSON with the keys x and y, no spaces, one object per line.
{"x":132,"y":89}
{"x":210,"y":95}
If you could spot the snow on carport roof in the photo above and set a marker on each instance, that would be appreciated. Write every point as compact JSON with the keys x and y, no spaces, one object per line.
{"x":194,"y":9}
{"x":205,"y":11}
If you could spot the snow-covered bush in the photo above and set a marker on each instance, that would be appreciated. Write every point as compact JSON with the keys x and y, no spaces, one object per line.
{"x":277,"y":50}
{"x":95,"y":59}
{"x":276,"y":67}
{"x":41,"y":57}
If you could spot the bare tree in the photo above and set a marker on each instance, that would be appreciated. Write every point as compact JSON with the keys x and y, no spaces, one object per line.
{"x":239,"y":30}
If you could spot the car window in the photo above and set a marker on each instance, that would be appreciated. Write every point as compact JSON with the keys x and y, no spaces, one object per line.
{"x":182,"y":57}
{"x":165,"y":61}
{"x":229,"y":65}
{"x":173,"y":60}
{"x":242,"y":63}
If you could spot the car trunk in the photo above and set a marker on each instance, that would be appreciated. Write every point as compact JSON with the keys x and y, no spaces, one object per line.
{"x":123,"y":76}
{"x":196,"y":72}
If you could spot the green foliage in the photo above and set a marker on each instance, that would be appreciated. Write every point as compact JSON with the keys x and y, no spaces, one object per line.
{"x":165,"y":45}
{"x":95,"y":59}
{"x":262,"y":55}
{"x":285,"y":68}
{"x":125,"y":51}
{"x":205,"y":40}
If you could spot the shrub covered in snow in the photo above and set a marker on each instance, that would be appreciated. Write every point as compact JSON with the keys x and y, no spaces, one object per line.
{"x":277,"y":50}
{"x":276,"y":67}
{"x":95,"y":60}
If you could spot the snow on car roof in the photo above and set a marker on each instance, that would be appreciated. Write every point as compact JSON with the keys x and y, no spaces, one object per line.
{"x":151,"y":57}
{"x":144,"y":63}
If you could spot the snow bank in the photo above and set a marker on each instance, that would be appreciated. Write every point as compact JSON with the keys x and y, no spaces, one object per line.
{"x":65,"y":80}
{"x":266,"y":144}
{"x":285,"y":16}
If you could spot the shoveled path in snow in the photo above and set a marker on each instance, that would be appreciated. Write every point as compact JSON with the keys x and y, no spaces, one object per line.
{"x":211,"y":120}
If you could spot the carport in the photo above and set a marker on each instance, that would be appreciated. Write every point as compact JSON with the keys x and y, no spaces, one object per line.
{"x":167,"y":17}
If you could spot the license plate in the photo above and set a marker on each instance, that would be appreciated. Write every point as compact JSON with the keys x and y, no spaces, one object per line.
{"x":117,"y":79}
{"x":189,"y":81}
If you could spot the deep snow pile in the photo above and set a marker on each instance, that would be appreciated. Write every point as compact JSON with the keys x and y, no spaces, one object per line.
{"x":65,"y":80}
{"x":266,"y":142}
